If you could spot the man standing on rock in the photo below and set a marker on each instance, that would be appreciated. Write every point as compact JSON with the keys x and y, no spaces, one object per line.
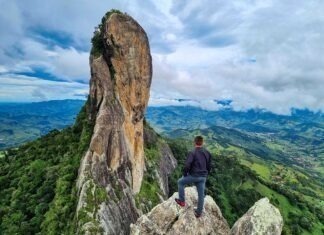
{"x":197,"y":167}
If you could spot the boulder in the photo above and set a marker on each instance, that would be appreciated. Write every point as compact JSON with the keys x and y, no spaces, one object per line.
{"x":261,"y":219}
{"x":169,"y":218}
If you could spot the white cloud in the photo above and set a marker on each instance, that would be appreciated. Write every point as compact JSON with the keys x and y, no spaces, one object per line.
{"x":19,"y":88}
{"x":258,"y":53}
{"x":71,"y":64}
{"x":205,"y":104}
{"x":270,"y":59}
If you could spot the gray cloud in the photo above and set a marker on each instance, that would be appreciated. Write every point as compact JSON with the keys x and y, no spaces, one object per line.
{"x":273,"y":59}
{"x":18,"y":88}
{"x":265,"y":54}
{"x":38,"y":94}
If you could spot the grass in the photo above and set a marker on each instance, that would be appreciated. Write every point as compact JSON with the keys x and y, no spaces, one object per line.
{"x":148,"y":195}
{"x":280,"y":201}
{"x":284,"y":205}
{"x":275,"y":146}
{"x":260,"y":169}
{"x":320,"y":170}
{"x":296,"y":180}
{"x":2,"y":154}
{"x":226,"y":210}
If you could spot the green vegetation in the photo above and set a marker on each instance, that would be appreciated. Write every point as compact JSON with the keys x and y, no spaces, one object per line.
{"x":294,"y":140}
{"x":37,"y":181}
{"x":98,"y":36}
{"x":239,"y":179}
{"x":23,"y":122}
{"x":150,"y":190}
{"x":95,"y":195}
{"x":148,"y":197}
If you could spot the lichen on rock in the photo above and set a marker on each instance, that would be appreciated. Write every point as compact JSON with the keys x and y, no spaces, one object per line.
{"x":169,"y":218}
{"x":261,"y":219}
{"x":121,"y":73}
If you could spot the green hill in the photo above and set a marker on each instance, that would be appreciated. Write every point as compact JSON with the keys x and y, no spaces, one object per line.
{"x":246,"y":169}
{"x":284,"y":163}
{"x":37,"y":181}
{"x":23,"y":122}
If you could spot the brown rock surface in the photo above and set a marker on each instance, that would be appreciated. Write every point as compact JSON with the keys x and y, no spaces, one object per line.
{"x":119,"y":89}
{"x":170,"y":219}
{"x":112,"y":170}
{"x":261,"y":219}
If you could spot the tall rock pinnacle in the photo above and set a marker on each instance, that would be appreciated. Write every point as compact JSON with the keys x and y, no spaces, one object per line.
{"x":121,"y":72}
{"x":119,"y":93}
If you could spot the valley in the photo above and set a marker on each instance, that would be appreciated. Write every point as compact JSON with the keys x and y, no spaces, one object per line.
{"x":280,"y":157}
{"x":257,"y":154}
{"x":23,"y":122}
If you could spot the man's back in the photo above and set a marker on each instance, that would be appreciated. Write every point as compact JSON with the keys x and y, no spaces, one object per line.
{"x":198,"y":162}
{"x":197,"y":167}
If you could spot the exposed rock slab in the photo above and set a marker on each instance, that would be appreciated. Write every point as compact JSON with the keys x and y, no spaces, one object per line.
{"x":112,"y":170}
{"x":169,"y":218}
{"x":261,"y":219}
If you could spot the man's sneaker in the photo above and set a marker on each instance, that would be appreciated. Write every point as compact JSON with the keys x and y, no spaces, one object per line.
{"x":179,"y":202}
{"x":197,"y":214}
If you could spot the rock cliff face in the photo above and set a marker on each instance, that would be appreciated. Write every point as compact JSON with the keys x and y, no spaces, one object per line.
{"x":261,"y":218}
{"x":112,"y":170}
{"x":124,"y":172}
{"x":168,"y":218}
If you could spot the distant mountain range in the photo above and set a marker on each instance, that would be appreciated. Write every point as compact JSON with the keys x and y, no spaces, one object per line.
{"x":22,"y":122}
{"x":285,"y":153}
{"x":297,"y":139}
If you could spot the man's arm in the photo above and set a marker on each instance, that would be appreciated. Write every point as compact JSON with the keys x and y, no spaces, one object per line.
{"x":188,"y":163}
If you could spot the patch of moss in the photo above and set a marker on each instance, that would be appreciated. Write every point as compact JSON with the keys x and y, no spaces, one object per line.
{"x":118,"y":189}
{"x":150,"y":189}
{"x":152,"y":154}
{"x":101,"y":194}
{"x":148,"y":194}
{"x":97,"y":44}
{"x":95,"y":195}
{"x":97,"y":40}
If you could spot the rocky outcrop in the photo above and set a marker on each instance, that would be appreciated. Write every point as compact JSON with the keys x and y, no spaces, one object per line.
{"x":119,"y":93}
{"x":169,"y":218}
{"x":262,"y":218}
{"x":113,"y":168}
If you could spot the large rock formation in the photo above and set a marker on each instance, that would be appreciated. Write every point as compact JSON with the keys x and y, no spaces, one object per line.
{"x":119,"y":93}
{"x":168,"y":218}
{"x":125,"y":170}
{"x":112,"y":170}
{"x":262,"y":218}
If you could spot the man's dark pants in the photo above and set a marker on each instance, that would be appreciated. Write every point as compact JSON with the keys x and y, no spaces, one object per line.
{"x":200,"y":182}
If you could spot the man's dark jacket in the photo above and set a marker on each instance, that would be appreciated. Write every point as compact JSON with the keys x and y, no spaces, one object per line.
{"x":198,"y":162}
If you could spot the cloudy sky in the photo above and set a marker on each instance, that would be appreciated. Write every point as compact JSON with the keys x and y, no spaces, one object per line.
{"x":257,"y":54}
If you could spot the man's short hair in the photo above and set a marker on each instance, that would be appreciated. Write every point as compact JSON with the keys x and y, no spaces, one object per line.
{"x":199,"y":140}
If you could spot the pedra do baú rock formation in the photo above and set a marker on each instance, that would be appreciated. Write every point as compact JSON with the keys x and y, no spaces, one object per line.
{"x":170,"y":219}
{"x":124,"y":172}
{"x":112,"y":170}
